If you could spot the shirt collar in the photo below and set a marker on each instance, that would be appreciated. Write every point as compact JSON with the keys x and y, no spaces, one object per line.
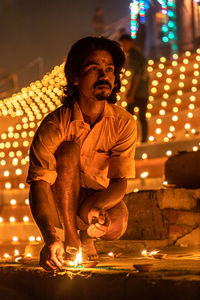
{"x":78,"y":116}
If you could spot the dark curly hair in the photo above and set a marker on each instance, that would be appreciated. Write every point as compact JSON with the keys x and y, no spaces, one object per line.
{"x":76,"y":56}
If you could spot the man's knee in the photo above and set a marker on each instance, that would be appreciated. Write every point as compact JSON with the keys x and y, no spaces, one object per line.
{"x":119,"y":221}
{"x":68,"y":153}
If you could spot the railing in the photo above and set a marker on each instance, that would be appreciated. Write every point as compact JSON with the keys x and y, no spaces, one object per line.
{"x":11,"y":83}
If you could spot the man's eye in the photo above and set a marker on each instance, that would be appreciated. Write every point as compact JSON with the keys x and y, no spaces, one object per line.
{"x":110,"y":69}
{"x":94,"y":68}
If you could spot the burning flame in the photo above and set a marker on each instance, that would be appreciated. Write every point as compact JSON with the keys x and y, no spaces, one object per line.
{"x":18,"y":258}
{"x":149,"y":254}
{"x":144,"y":253}
{"x":78,"y":259}
{"x":111,"y":254}
{"x":152,"y":253}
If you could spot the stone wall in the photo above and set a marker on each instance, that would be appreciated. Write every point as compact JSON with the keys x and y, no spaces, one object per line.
{"x":171,"y":213}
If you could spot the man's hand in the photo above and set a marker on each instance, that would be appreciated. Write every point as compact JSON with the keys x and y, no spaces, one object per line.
{"x":51,"y":256}
{"x":98,"y":222}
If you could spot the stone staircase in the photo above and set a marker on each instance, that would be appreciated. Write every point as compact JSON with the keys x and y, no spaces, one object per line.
{"x":173,"y":119}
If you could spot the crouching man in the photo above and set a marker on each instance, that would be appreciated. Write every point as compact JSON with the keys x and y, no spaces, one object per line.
{"x":82,"y":155}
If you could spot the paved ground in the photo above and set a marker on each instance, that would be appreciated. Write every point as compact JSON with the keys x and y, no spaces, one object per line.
{"x":174,"y":276}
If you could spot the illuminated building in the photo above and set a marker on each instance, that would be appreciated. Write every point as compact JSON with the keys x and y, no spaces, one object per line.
{"x":171,"y":25}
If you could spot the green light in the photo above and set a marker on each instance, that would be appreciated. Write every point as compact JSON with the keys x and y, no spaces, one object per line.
{"x":175,"y":47}
{"x":171,"y":35}
{"x":171,"y":4}
{"x":165,"y":39}
{"x":170,"y":13}
{"x":164,"y":28}
{"x":170,"y":24}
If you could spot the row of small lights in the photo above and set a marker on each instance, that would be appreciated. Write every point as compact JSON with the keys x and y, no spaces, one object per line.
{"x":13,"y":202}
{"x":15,"y":254}
{"x":26,"y":219}
{"x":12,"y":219}
{"x":31,"y":239}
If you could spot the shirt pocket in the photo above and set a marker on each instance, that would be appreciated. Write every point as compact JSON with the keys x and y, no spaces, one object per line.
{"x":100,"y":161}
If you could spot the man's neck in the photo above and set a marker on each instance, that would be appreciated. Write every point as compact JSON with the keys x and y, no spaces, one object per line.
{"x":91,"y":110}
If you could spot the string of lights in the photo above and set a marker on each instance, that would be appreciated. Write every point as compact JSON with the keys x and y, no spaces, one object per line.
{"x":169,"y":27}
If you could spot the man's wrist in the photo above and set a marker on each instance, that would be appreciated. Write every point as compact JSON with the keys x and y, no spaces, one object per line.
{"x":50,"y":237}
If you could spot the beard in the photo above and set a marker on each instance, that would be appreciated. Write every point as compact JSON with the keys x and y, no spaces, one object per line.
{"x":103,"y":94}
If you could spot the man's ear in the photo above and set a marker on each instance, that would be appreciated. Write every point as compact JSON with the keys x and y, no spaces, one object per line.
{"x":76,"y":80}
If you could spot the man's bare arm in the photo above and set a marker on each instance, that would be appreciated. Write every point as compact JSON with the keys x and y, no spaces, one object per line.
{"x":41,"y":210}
{"x":52,"y":252}
{"x":112,"y":195}
{"x":106,"y":198}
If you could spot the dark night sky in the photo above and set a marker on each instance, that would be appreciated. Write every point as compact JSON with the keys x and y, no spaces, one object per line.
{"x":47,"y":28}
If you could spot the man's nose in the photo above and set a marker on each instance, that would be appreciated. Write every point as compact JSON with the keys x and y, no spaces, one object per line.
{"x":102,"y":73}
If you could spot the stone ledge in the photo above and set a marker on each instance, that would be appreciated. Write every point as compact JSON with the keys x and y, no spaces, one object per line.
{"x":193,"y":236}
{"x":178,"y":198}
{"x":164,"y":214}
{"x":189,"y":218}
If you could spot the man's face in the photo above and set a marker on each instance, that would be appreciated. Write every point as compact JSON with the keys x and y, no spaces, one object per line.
{"x":96,"y":79}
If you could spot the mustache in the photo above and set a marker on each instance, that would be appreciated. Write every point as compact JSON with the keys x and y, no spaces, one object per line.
{"x":102,"y":82}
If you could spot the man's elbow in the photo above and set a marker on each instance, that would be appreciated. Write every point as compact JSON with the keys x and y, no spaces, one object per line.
{"x":121,"y":184}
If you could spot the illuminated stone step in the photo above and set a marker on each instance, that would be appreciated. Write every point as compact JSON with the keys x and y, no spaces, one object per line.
{"x":19,"y":195}
{"x":13,"y":182}
{"x":18,"y":211}
{"x":18,"y":229}
{"x":171,"y":102}
{"x":166,"y":119}
{"x":176,"y":69}
{"x":173,"y":87}
{"x":155,"y":150}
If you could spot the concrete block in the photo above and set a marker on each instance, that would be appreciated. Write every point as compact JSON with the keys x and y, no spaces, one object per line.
{"x":145,"y":218}
{"x":190,"y":239}
{"x":183,"y":170}
{"x":178,"y":198}
{"x":177,"y":231}
{"x":180,"y":217}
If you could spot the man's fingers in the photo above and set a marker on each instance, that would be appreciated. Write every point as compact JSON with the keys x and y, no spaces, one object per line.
{"x":56,"y":262}
{"x":54,"y":259}
{"x":47,"y":265}
{"x":51,"y":257}
{"x":101,"y":227}
{"x":102,"y":219}
{"x":96,"y":230}
{"x":59,"y":255}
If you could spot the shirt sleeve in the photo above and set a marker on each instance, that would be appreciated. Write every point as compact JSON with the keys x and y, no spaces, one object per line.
{"x":45,"y":143}
{"x":122,"y":163}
